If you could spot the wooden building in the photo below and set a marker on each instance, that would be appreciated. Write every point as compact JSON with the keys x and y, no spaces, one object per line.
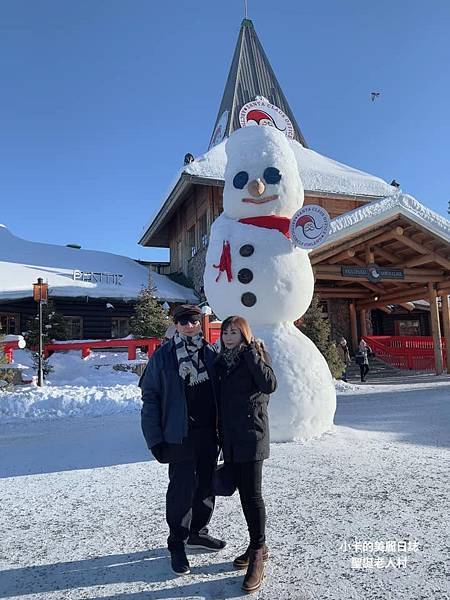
{"x":95,"y":291}
{"x":386,"y":251}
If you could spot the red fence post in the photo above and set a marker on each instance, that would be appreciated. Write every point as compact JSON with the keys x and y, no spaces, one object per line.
{"x":85,"y":352}
{"x":131,"y":352}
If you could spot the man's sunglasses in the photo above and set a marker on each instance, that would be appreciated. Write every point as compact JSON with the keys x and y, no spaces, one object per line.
{"x":186,"y":320}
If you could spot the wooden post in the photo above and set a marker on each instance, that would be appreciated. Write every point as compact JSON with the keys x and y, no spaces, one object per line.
{"x":435,"y":328}
{"x":363,"y":322}
{"x":353,"y":326}
{"x":370,"y":257}
{"x":446,"y":323}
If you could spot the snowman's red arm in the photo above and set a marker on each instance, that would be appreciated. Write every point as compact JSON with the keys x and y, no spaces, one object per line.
{"x":225,"y":262}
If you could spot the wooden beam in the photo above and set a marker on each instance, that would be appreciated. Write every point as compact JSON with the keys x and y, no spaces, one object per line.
{"x":446,"y":323}
{"x":408,"y":296}
{"x":417,"y":261}
{"x":406,"y":306}
{"x":435,"y":328}
{"x":386,"y":255}
{"x":370,"y":256}
{"x":353,"y":326}
{"x":363,"y":322}
{"x":317,"y":256}
{"x":422,"y":250}
{"x":385,"y":309}
{"x":342,"y":256}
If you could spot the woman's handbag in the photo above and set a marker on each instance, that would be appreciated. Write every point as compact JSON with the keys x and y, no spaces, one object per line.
{"x":223,"y":483}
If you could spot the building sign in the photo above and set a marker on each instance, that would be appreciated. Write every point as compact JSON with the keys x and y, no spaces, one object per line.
{"x":261,"y":112}
{"x":309,"y":226}
{"x":97,"y":277}
{"x":373,"y":273}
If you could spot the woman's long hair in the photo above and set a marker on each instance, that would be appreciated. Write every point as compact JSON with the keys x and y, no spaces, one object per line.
{"x":241,"y":324}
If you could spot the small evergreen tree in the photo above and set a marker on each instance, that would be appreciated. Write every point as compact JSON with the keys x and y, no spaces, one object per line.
{"x":318,"y":330}
{"x":149,"y":319}
{"x":54,"y":326}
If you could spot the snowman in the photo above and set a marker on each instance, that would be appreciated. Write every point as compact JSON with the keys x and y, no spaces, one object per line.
{"x":254,"y":270}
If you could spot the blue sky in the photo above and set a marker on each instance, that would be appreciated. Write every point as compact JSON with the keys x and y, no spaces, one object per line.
{"x":101,"y":99}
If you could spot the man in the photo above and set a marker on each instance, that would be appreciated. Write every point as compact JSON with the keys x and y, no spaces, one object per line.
{"x":179,"y":422}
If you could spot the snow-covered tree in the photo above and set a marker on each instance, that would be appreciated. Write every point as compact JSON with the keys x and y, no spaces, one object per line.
{"x":318,"y":330}
{"x":54,"y":326}
{"x":149,"y":319}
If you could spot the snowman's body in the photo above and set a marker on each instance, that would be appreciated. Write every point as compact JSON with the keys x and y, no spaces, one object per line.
{"x":270,"y":281}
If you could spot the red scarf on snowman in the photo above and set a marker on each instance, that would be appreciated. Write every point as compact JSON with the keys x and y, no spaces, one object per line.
{"x":267,"y":222}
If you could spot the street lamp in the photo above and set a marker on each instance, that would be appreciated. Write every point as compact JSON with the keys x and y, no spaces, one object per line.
{"x":40,"y":290}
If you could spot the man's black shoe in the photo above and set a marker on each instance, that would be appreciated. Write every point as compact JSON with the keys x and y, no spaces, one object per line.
{"x":179,"y":562}
{"x":205,"y":541}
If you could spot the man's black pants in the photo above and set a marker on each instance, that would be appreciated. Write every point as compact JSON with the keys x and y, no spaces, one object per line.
{"x":189,"y":501}
{"x":248,"y":477}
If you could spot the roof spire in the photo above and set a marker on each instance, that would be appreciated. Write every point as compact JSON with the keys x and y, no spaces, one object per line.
{"x":245,"y":9}
{"x":250,"y":78}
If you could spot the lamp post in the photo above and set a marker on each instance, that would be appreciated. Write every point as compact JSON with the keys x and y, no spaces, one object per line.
{"x":40,"y":290}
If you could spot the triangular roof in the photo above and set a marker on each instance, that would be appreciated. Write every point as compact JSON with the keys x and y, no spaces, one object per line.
{"x":376,"y":213}
{"x":251,"y":75}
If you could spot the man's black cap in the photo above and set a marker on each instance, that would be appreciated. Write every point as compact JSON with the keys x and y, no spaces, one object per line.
{"x":186,"y":310}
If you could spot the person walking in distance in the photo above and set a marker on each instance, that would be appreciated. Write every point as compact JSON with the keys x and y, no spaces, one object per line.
{"x":179,"y":423}
{"x":344,"y":355}
{"x":244,"y":380}
{"x":362,"y":359}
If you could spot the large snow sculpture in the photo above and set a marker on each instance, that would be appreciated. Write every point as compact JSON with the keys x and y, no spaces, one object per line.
{"x":254,"y":270}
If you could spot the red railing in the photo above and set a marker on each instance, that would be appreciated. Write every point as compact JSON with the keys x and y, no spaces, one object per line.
{"x":8,"y":349}
{"x":150,"y":344}
{"x":408,"y":352}
{"x":211,"y":329}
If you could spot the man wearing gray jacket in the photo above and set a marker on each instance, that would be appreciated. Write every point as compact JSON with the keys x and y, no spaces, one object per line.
{"x":179,"y":423}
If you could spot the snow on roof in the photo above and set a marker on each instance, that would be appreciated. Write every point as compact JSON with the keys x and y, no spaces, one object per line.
{"x":74,"y":272}
{"x":318,"y":173}
{"x":375,"y":212}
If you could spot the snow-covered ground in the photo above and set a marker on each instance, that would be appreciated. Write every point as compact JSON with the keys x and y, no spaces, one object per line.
{"x":82,"y":502}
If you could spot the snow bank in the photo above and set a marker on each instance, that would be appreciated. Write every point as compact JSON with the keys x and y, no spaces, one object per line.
{"x":76,"y":386}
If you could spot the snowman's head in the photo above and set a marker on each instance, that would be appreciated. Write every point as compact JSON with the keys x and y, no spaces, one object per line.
{"x":261,"y":175}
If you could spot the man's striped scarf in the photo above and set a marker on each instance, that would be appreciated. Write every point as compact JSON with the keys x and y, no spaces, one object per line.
{"x":189,"y":362}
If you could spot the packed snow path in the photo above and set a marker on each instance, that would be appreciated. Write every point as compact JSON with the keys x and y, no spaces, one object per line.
{"x":88,"y":521}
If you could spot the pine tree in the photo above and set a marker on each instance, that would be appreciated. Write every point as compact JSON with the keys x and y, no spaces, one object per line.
{"x":318,"y":330}
{"x":149,"y":319}
{"x":54,"y":326}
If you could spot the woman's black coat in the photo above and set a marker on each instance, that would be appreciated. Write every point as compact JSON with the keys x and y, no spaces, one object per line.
{"x":243,"y":395}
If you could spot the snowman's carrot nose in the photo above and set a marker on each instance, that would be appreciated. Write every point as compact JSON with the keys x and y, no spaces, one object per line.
{"x":256,"y":188}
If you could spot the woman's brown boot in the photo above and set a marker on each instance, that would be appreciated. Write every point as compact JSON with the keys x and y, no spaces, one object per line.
{"x":241,"y":562}
{"x":255,"y":572}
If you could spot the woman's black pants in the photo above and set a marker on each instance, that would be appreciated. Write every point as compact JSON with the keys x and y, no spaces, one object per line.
{"x":248,"y":477}
{"x":364,"y":370}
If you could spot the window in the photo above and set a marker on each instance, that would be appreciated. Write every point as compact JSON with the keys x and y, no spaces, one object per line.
{"x":75,"y":327}
{"x":9,"y":323}
{"x":120,"y":327}
{"x":203,"y":230}
{"x":407,"y":327}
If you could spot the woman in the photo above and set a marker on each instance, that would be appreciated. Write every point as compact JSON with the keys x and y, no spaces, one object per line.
{"x":362,"y":359}
{"x":244,"y":380}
